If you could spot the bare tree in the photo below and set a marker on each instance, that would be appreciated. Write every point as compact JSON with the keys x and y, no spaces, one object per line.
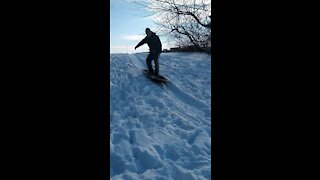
{"x":187,"y":22}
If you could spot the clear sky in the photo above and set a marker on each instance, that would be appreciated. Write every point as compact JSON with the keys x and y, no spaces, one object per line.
{"x":127,"y":27}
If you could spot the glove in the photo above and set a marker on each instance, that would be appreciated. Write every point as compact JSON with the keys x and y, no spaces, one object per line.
{"x":135,"y":47}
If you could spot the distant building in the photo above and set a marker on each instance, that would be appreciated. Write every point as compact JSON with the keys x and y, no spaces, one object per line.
{"x":186,"y":49}
{"x":174,"y":49}
{"x":165,"y":50}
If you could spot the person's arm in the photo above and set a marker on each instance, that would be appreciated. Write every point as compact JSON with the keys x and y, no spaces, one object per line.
{"x":141,"y":43}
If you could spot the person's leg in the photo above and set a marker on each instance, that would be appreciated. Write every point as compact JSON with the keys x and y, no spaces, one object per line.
{"x":156,"y":62}
{"x":148,"y":60}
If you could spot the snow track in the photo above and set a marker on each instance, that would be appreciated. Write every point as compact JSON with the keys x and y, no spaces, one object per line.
{"x":160,"y":131}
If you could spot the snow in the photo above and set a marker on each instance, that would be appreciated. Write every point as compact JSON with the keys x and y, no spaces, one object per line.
{"x":160,"y":131}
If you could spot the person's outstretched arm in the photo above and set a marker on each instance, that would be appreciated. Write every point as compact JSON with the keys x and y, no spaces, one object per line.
{"x":141,"y":43}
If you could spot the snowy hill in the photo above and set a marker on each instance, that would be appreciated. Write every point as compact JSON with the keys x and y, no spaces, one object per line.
{"x":160,"y":131}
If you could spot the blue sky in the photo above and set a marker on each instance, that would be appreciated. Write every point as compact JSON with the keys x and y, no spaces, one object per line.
{"x":127,"y":27}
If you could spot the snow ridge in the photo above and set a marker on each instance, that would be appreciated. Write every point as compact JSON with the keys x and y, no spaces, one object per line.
{"x":160,"y":131}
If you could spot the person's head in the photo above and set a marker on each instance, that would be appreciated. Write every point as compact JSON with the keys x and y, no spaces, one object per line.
{"x":148,"y":31}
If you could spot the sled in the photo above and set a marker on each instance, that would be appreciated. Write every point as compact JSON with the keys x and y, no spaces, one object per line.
{"x":159,"y":79}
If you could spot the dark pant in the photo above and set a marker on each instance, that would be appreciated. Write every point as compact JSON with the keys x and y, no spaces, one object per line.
{"x":155,"y":57}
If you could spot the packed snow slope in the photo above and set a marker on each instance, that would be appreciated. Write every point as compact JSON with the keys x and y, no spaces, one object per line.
{"x":160,"y":131}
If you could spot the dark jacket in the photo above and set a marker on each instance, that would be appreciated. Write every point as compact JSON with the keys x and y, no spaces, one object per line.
{"x":153,"y":42}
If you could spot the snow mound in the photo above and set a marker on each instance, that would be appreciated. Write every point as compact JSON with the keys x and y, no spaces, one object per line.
{"x":160,"y":131}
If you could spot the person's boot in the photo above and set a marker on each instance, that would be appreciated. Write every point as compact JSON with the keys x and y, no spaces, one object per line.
{"x":150,"y":72}
{"x":154,"y":76}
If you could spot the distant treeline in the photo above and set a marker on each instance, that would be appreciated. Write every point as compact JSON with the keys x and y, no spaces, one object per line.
{"x":187,"y":49}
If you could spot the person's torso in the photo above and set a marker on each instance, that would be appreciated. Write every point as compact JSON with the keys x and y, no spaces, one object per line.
{"x":154,"y":43}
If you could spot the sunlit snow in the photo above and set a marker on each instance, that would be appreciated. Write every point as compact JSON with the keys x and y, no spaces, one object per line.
{"x":160,"y":131}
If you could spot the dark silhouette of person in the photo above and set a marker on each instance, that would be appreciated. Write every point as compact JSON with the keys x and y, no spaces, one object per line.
{"x":155,"y":48}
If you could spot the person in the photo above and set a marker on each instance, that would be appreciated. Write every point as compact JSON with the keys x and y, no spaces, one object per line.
{"x":155,"y":48}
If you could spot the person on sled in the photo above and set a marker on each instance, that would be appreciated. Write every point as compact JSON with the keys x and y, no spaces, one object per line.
{"x":155,"y":48}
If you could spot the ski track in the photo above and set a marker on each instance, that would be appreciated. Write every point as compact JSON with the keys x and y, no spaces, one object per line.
{"x":160,"y":131}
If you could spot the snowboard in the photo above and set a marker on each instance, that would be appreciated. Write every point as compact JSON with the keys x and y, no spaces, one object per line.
{"x":159,"y":79}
